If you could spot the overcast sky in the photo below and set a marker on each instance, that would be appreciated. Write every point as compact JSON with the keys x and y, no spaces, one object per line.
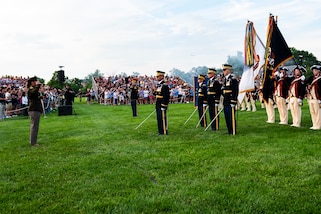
{"x":142,"y":36}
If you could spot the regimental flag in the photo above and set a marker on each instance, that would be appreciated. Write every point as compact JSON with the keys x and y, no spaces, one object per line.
{"x":277,"y":52}
{"x":254,"y":61}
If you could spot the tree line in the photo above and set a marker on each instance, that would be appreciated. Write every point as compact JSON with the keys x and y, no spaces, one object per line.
{"x":301,"y":57}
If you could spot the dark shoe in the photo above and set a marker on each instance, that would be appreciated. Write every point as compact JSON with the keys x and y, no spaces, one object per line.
{"x":36,"y":145}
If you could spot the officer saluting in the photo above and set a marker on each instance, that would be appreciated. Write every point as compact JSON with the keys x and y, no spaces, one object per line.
{"x":230,"y":92}
{"x":162,"y":99}
{"x":134,"y":96}
{"x":35,"y":108}
{"x":202,"y":100}
{"x":213,"y":97}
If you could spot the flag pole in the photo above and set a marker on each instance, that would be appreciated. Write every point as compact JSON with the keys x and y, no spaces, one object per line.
{"x":266,"y":55}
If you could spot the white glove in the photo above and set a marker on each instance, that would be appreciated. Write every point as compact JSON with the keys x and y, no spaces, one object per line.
{"x":204,"y":105}
{"x":300,"y":102}
{"x":216,"y":105}
{"x":163,"y":109}
{"x":232,"y":105}
{"x":319,"y":101}
{"x":302,"y":78}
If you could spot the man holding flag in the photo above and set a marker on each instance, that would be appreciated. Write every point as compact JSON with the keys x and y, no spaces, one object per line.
{"x":277,"y":52}
{"x":268,"y":89}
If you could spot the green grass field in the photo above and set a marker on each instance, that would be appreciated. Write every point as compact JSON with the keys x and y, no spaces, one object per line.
{"x":97,"y":162}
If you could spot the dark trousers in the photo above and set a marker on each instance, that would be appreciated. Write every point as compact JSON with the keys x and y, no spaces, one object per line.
{"x":201,"y":111}
{"x":213,"y":112}
{"x":68,"y":102}
{"x":134,"y":107}
{"x":230,"y":119}
{"x":34,"y":126}
{"x":25,"y":110}
{"x":161,"y":121}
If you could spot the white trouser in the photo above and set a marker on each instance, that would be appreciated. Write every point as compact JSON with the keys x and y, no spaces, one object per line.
{"x":270,"y":111}
{"x":295,"y":112}
{"x":283,"y":109}
{"x":315,"y":112}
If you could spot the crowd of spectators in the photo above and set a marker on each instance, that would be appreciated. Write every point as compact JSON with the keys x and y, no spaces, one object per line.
{"x":115,"y":90}
{"x":14,"y":90}
{"x":112,"y":90}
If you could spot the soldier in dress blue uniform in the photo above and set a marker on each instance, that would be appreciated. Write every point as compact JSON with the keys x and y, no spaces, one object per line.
{"x":202,"y":100}
{"x":134,"y":96}
{"x":162,"y":100}
{"x":213,"y":97}
{"x":230,"y":92}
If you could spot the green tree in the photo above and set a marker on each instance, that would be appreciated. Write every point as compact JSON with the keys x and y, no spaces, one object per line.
{"x":41,"y":80}
{"x":123,"y":74}
{"x":54,"y":82}
{"x":303,"y":58}
{"x":76,"y":84}
{"x":88,"y":79}
{"x":135,"y":74}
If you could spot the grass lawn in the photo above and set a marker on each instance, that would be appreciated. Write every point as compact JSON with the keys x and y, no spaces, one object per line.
{"x":95,"y":161}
